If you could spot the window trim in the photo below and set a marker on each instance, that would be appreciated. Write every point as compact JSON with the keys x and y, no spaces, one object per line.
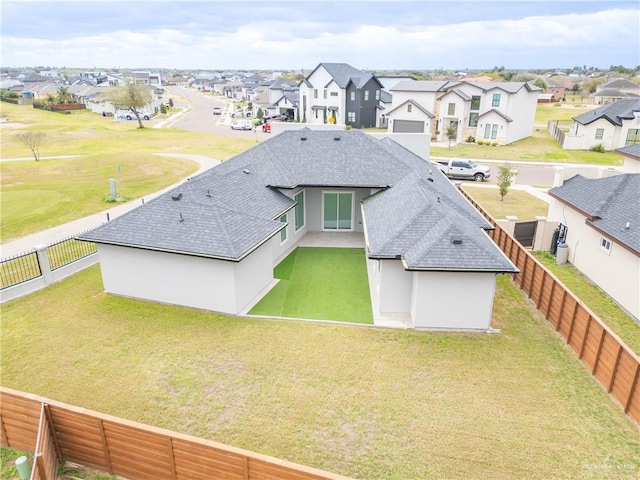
{"x":283,"y":232}
{"x":605,"y":245}
{"x":300,"y":207}
{"x":599,"y":133}
{"x":495,"y":101}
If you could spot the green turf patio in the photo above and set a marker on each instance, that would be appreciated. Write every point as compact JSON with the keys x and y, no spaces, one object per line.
{"x":320,"y":283}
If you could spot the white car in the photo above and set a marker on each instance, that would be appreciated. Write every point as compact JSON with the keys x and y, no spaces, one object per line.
{"x":217,"y":111}
{"x":242,"y":125}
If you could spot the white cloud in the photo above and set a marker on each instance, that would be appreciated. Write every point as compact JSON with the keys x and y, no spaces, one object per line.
{"x":596,"y":39}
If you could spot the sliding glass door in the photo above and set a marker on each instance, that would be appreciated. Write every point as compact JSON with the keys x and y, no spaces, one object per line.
{"x":337,"y":210}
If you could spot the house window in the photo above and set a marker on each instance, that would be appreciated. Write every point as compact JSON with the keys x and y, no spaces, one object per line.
{"x":473,"y":119}
{"x":299,"y":210}
{"x":337,"y":211}
{"x":353,"y":96}
{"x":633,"y":137}
{"x":496,"y":100}
{"x":599,"y":133}
{"x":315,"y":93}
{"x":377,"y":94}
{"x":409,"y":107}
{"x":452,"y":109}
{"x":351,"y":117}
{"x":324,"y":94}
{"x":487,"y":130}
{"x":315,"y":111}
{"x":366,"y":95}
{"x":605,"y":245}
{"x":475,"y":103}
{"x":334,"y":94}
{"x":283,"y":232}
{"x":494,"y":131}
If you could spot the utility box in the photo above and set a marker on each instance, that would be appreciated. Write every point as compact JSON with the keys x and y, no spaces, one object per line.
{"x":562,"y":254}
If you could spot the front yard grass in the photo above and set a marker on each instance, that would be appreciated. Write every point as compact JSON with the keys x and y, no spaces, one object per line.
{"x":321,"y":284}
{"x":517,"y":202}
{"x":370,"y":403}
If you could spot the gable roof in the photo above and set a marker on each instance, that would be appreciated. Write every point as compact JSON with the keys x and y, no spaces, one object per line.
{"x":614,"y":112}
{"x":418,"y":86}
{"x":414,"y":103}
{"x":608,"y":203}
{"x":620,"y":83}
{"x":230,"y":210}
{"x":507,"y":118}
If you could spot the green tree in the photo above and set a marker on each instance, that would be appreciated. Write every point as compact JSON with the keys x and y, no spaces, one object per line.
{"x":171,"y":103}
{"x":505,"y":180}
{"x":540,"y":83}
{"x":133,"y":97}
{"x":63,"y":95}
{"x":260,"y":113}
{"x":452,"y":132}
{"x":324,"y":115}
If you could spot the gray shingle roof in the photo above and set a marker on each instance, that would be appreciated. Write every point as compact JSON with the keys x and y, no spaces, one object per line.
{"x":630,"y":150}
{"x":613,"y":112}
{"x":343,"y":72}
{"x":609,"y":204}
{"x":228,"y":211}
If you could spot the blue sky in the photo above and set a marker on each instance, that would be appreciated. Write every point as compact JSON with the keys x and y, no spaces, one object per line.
{"x":284,"y":35}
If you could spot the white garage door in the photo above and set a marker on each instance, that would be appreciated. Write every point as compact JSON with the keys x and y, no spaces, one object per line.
{"x":408,"y":126}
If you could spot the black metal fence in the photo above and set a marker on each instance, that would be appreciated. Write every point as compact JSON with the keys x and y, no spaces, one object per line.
{"x":68,"y":251}
{"x":18,"y":269}
{"x":22,"y":268}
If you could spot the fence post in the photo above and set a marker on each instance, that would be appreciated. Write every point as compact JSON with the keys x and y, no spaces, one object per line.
{"x":511,"y":224}
{"x":45,"y":264}
{"x":538,"y":241}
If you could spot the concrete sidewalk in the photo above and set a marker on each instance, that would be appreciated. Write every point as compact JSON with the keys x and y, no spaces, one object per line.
{"x":51,"y":235}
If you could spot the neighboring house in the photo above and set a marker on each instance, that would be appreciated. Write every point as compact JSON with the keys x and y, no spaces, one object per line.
{"x":212,"y":242}
{"x":500,"y":112}
{"x":631,"y":155}
{"x":613,"y":125}
{"x":341,"y":92}
{"x":553,"y":93}
{"x":602,"y":217}
{"x":614,"y":90}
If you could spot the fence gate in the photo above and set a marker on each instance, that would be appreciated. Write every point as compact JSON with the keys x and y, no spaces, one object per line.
{"x":525,"y":232}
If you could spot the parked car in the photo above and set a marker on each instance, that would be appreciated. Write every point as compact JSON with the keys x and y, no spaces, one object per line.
{"x":266,"y":127}
{"x":464,"y":169}
{"x":217,"y":111}
{"x":143,"y":116}
{"x":242,"y":125}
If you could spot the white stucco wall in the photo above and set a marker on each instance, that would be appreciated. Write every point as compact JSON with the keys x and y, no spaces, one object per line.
{"x":616,"y":272}
{"x":253,"y":274}
{"x":452,"y":300}
{"x":395,"y":287}
{"x":209,"y":284}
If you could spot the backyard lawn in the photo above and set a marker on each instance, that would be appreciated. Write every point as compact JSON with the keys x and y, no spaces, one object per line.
{"x":321,"y":284}
{"x":366,"y":402}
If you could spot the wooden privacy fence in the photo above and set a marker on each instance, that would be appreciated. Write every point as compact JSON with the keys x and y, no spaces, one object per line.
{"x":56,"y":431}
{"x":606,"y":356}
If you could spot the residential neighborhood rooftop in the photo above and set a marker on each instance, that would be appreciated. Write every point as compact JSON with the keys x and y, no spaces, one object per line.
{"x":415,"y":213}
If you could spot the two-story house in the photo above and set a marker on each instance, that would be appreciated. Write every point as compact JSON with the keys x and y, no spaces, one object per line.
{"x":500,"y":112}
{"x":613,"y":125}
{"x":340,"y":93}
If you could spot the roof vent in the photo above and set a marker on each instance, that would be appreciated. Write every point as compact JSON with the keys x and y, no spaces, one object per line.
{"x":337,"y":138}
{"x":627,"y":225}
{"x":438,"y":199}
{"x":303,"y":138}
{"x":457,"y":241}
{"x":208,"y":193}
{"x":430,"y":179}
{"x":177,"y":197}
{"x":247,"y":171}
{"x":181,"y":218}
